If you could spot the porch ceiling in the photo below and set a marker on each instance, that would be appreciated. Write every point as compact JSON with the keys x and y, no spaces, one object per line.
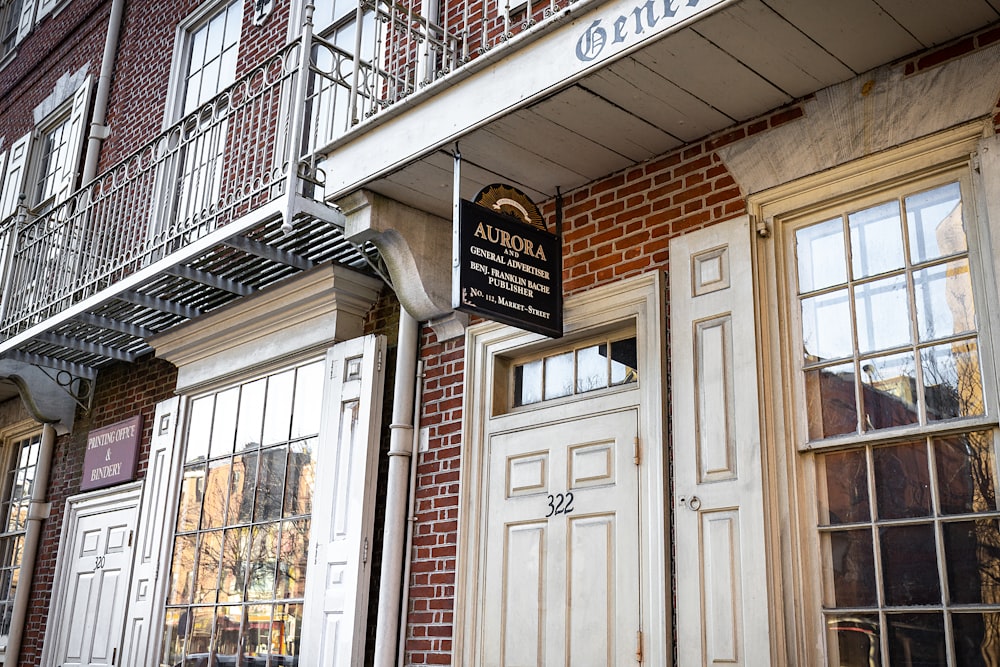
{"x":747,"y":58}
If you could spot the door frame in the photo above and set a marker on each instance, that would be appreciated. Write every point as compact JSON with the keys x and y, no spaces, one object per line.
{"x":77,"y":507}
{"x":640,"y":301}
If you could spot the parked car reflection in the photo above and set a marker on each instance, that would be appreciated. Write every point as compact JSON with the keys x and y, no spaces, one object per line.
{"x":209,"y":660}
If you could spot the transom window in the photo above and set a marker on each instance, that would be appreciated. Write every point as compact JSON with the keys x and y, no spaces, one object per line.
{"x":237,"y":578}
{"x":894,"y":404}
{"x":586,"y":367}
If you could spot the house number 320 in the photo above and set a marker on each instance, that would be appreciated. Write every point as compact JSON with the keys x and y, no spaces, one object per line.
{"x":560,"y":504}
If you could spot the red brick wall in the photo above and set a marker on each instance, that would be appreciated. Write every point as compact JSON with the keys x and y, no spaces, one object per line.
{"x":121,"y":391}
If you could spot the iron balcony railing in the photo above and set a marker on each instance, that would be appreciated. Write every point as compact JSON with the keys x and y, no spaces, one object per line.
{"x":231,"y":156}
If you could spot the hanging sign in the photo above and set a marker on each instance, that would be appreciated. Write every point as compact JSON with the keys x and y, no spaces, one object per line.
{"x":508,"y":267}
{"x":111,"y":454}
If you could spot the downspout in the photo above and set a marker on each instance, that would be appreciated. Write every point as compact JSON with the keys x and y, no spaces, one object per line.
{"x":400,"y":453}
{"x":410,"y":517}
{"x":98,"y":130}
{"x":38,"y":511}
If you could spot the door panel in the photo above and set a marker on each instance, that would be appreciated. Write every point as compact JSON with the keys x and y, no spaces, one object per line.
{"x":722,"y":610}
{"x":97,"y":589}
{"x":562,"y":564}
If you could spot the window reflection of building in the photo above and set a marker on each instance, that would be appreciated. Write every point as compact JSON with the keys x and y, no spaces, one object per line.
{"x":242,"y":532}
{"x":909,"y":527}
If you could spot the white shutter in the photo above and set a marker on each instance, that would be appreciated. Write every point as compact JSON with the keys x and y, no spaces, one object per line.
{"x":75,"y":133}
{"x":44,"y":7}
{"x":722,"y":610}
{"x":152,"y":541}
{"x":13,"y":176}
{"x":27,"y":20}
{"x":336,"y":600}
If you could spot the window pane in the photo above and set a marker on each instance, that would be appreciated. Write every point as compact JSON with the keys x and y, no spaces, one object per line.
{"x":876,"y":240}
{"x":235,"y":556}
{"x":242,"y":485}
{"x":909,"y":565}
{"x":965,"y":477}
{"x":559,"y":375}
{"x":174,"y":632}
{"x":934,"y":219}
{"x":199,"y":429}
{"x":826,"y":327}
{"x":199,"y":639}
{"x":902,"y":481}
{"x":528,"y":383}
{"x":258,"y":630}
{"x":975,"y":636}
{"x":228,"y":622}
{"x":972,"y":552}
{"x":308,"y":401}
{"x":286,"y":632}
{"x":853,"y":641}
{"x":251,"y":417}
{"x":270,"y":485}
{"x":916,"y":640}
{"x":591,"y":368}
{"x":182,"y":570}
{"x":263,"y":560}
{"x":830,"y":401}
{"x":883,"y":313}
{"x":953,"y":385}
{"x":889,"y":391}
{"x":224,"y":422}
{"x":820,"y":252}
{"x":943,"y":294}
{"x":278,"y":411}
{"x":293,"y":559}
{"x":624,"y":361}
{"x":216,"y":493}
{"x":192,"y":492}
{"x":846,"y":477}
{"x":300,"y":477}
{"x":851,"y":561}
{"x":206,"y":583}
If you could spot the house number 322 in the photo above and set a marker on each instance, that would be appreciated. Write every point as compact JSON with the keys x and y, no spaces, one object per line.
{"x":560,"y":504}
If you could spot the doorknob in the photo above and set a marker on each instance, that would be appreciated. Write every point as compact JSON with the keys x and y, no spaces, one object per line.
{"x":693,"y":503}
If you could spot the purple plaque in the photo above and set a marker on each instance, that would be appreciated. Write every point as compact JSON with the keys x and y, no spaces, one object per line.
{"x":111,"y":454}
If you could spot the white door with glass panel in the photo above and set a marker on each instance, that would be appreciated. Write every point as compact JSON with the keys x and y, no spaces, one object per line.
{"x":96,"y":589}
{"x":562,"y":545}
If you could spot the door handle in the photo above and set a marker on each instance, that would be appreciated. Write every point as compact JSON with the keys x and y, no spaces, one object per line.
{"x":693,"y":503}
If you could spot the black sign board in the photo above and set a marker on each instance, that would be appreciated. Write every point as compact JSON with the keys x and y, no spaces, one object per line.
{"x":508,"y":271}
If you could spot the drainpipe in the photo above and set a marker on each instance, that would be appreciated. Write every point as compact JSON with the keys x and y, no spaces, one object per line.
{"x":98,"y":130}
{"x":410,"y":517}
{"x":400,"y":452}
{"x":38,"y":511}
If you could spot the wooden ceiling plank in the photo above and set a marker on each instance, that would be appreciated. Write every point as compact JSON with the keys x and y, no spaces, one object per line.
{"x":934,"y":23}
{"x":786,"y":57}
{"x":594,"y":117}
{"x":856,"y":32}
{"x":707,"y":72}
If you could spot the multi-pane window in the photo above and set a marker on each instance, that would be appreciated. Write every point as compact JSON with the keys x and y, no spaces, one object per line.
{"x":238,"y":573}
{"x":52,"y":162}
{"x":894,"y":404}
{"x":211,"y":56}
{"x":10,"y":18}
{"x":18,"y":483}
{"x":584,"y":368}
{"x":888,"y":317}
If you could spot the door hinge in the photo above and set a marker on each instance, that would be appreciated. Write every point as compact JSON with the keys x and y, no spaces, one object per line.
{"x":378,"y":362}
{"x":638,"y":647}
{"x":130,"y":537}
{"x":114,"y":655}
{"x":364,"y":552}
{"x":636,"y":458}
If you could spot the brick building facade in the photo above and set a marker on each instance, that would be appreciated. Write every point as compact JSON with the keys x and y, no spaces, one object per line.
{"x":767,"y":435}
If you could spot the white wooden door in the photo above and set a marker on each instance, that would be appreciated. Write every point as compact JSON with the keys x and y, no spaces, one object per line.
{"x":96,"y":589}
{"x":722,"y":610}
{"x":562,"y":545}
{"x":336,"y":602}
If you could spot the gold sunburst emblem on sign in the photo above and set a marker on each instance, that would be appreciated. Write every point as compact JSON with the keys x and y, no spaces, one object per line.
{"x":510,"y":201}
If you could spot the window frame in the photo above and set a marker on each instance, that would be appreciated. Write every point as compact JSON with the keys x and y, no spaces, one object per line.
{"x":792,"y":461}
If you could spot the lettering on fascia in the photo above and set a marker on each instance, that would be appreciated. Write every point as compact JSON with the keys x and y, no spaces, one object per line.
{"x":641,"y":18}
